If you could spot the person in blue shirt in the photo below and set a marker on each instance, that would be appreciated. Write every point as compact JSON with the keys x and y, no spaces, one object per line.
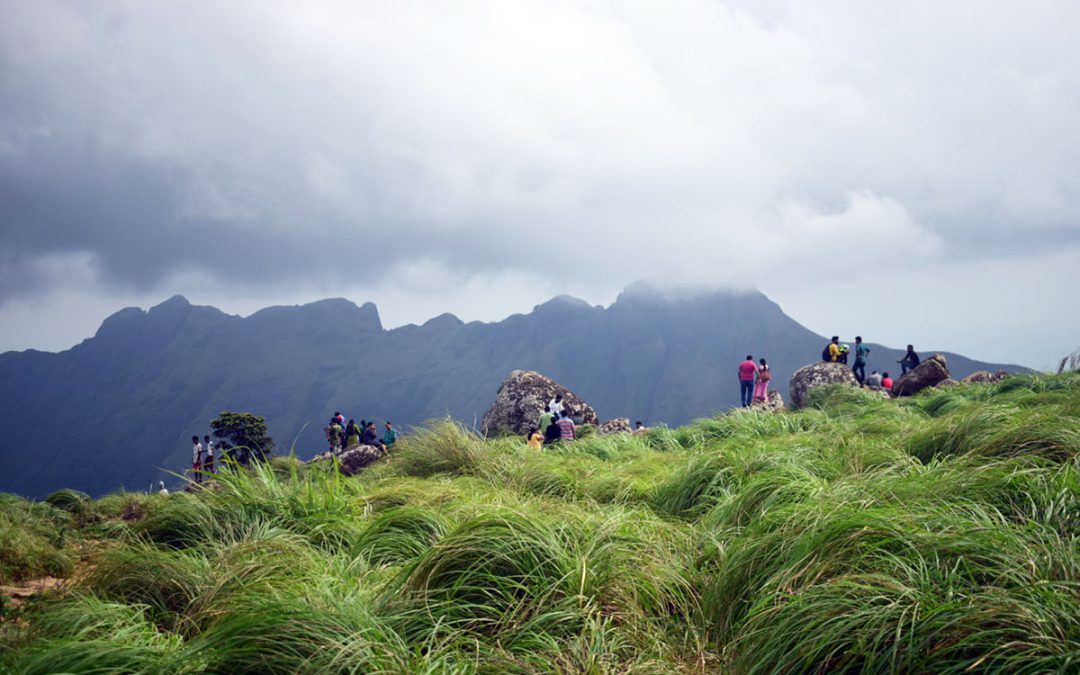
{"x":861,"y":352}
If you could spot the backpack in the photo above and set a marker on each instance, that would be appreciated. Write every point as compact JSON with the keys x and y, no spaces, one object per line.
{"x":825,"y":355}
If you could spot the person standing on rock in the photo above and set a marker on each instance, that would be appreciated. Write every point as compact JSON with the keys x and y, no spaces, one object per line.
{"x":352,"y":434}
{"x":333,"y":435}
{"x":566,"y":428}
{"x":747,"y":373}
{"x":861,"y":352}
{"x":196,"y":459}
{"x":831,"y":353}
{"x":761,"y":388}
{"x":910,"y":360}
{"x":556,"y":406}
{"x":208,"y":465}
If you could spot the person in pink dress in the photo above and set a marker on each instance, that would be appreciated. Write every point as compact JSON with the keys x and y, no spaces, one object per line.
{"x":761,"y":389}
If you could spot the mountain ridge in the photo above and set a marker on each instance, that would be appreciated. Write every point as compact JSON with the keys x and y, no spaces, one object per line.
{"x":127,"y":400}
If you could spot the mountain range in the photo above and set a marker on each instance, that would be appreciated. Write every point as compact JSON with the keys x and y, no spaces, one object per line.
{"x":119,"y":408}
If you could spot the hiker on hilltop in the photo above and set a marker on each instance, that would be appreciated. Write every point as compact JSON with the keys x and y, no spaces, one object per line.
{"x":334,"y":434}
{"x":566,"y":427}
{"x":747,"y":373}
{"x":639,"y":427}
{"x":389,"y":436}
{"x":196,"y":458}
{"x":547,"y":418}
{"x":874,"y":380}
{"x":831,"y":352}
{"x":556,"y":406}
{"x":352,"y":434}
{"x":910,"y":360}
{"x":208,"y":465}
{"x":861,"y":352}
{"x":764,"y":375}
{"x":886,"y":381}
{"x":534,"y":439}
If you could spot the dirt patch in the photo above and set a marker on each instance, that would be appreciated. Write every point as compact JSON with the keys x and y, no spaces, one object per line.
{"x":23,"y":591}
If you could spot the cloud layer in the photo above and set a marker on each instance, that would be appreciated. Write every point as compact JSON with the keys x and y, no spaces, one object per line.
{"x":431,"y":153}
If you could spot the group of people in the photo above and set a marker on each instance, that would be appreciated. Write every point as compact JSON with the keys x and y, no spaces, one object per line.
{"x":202,"y":458}
{"x":754,"y":381}
{"x":342,"y":435}
{"x":754,"y":377}
{"x":836,"y":352}
{"x":553,"y":425}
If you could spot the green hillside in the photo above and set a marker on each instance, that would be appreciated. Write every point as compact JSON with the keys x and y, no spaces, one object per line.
{"x":935,"y":534}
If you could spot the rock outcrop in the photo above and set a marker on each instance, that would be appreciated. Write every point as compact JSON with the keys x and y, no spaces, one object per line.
{"x":981,"y":376}
{"x":619,"y":425}
{"x":1070,"y":363}
{"x":358,"y":457}
{"x":352,"y":459}
{"x":521,"y":399}
{"x":817,"y":375}
{"x":929,"y":373}
{"x":774,"y":403}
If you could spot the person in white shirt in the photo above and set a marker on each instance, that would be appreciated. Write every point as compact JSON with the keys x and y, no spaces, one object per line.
{"x":556,"y":406}
{"x":208,"y":460}
{"x":196,"y":458}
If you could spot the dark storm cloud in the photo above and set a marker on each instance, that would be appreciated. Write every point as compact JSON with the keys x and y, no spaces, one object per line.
{"x":276,"y":146}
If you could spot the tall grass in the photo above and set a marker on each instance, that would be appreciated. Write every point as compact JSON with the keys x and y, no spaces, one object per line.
{"x":934,"y":534}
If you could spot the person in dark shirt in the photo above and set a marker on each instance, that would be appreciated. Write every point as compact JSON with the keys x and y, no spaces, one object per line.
{"x":910,"y":360}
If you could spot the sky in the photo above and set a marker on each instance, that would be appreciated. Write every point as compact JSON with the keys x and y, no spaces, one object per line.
{"x":904,"y":171}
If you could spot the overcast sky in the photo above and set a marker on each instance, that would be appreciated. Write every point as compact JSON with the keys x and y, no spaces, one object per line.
{"x":908,"y":171}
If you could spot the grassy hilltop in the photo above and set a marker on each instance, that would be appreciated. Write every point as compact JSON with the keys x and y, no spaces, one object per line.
{"x":936,"y":534}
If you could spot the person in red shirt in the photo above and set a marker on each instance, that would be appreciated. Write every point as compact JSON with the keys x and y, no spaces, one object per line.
{"x":747,"y":373}
{"x":886,"y":381}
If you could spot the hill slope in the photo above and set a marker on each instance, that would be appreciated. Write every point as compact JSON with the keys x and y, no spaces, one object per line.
{"x":937,"y":534}
{"x":117,"y":407}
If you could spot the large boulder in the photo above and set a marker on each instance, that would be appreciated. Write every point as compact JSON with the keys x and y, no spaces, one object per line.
{"x":818,"y":375}
{"x":1070,"y":362}
{"x":927,"y":374}
{"x":619,"y":425}
{"x":521,"y":399}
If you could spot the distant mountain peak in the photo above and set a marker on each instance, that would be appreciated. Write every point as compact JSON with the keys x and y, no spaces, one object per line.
{"x":563,"y":302}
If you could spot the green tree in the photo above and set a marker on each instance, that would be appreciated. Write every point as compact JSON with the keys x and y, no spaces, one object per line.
{"x":244,"y":430}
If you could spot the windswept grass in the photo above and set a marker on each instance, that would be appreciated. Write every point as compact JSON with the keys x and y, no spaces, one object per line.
{"x":939,"y":533}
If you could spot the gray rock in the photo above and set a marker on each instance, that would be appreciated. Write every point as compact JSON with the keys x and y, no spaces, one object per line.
{"x":818,"y":375}
{"x":619,"y":425}
{"x":521,"y":399}
{"x":775,"y":403}
{"x":929,"y":373}
{"x":981,"y":376}
{"x":358,"y":457}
